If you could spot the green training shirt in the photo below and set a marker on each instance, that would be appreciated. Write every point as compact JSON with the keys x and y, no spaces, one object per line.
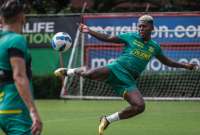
{"x":9,"y":40}
{"x":10,"y":101}
{"x":136,"y":54}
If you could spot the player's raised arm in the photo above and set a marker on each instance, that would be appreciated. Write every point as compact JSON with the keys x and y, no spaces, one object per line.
{"x":100,"y":36}
{"x":165,"y":60}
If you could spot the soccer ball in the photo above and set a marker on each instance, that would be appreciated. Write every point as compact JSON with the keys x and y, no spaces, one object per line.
{"x":61,"y":41}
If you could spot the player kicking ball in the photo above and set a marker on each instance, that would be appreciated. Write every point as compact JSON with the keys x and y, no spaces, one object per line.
{"x":122,"y":74}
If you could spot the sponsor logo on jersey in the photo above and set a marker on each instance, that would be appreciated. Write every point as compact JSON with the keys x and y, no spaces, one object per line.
{"x":142,"y":54}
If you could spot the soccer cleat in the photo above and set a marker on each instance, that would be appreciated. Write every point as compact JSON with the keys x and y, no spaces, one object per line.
{"x":61,"y":72}
{"x":103,"y":125}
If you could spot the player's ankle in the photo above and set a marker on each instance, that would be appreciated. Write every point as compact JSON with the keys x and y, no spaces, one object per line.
{"x":71,"y":71}
{"x":113,"y":117}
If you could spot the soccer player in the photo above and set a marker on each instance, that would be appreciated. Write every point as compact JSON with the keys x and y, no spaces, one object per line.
{"x":18,"y":113}
{"x":121,"y":74}
{"x":0,"y":23}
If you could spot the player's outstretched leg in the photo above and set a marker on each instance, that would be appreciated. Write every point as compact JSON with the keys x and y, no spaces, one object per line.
{"x":61,"y":72}
{"x":68,"y":72}
{"x":136,"y":107}
{"x":103,"y":124}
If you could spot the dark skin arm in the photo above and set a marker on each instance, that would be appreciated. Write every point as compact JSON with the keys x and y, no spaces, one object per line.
{"x":171,"y":63}
{"x":100,"y":36}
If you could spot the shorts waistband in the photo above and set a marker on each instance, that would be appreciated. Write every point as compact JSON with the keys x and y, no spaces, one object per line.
{"x":17,"y":111}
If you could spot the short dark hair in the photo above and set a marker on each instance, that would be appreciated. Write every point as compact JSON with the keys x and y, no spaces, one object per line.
{"x":11,"y":8}
{"x":146,"y":19}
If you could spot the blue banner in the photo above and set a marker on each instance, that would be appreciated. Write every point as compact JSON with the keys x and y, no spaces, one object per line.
{"x":96,"y":57}
{"x":175,"y":28}
{"x":181,"y":56}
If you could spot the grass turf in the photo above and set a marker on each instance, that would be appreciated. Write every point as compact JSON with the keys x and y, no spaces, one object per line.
{"x":77,"y":117}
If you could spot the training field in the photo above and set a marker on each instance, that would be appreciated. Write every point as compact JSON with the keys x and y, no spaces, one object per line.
{"x":77,"y":117}
{"x":80,"y":117}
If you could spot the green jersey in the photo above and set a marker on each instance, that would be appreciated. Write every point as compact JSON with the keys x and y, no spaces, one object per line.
{"x":128,"y":66}
{"x":136,"y":54}
{"x":10,"y":101}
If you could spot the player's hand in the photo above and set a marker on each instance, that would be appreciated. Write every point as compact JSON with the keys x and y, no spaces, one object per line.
{"x":36,"y":128}
{"x":192,"y":66}
{"x":83,"y":28}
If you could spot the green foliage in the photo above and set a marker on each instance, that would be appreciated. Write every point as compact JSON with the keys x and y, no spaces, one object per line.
{"x":106,"y":6}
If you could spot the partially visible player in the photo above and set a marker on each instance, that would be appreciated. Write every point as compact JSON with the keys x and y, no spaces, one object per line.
{"x":1,"y":23}
{"x":18,"y":113}
{"x":121,"y":74}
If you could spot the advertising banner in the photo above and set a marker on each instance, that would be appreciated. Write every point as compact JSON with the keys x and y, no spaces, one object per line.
{"x":39,"y":29}
{"x":98,"y":56}
{"x":178,"y":32}
{"x":169,"y":27}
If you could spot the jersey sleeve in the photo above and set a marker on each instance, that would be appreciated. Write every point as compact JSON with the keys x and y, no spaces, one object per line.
{"x":18,"y":43}
{"x":124,"y":36}
{"x":159,"y":51}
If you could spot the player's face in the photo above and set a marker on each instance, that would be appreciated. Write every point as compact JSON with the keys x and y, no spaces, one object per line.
{"x":145,"y":29}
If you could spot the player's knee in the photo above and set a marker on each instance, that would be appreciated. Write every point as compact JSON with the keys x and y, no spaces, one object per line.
{"x":139,"y":107}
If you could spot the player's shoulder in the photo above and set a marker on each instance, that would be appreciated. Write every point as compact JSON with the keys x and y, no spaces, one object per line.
{"x":16,"y":40}
{"x":18,"y":37}
{"x":12,"y":36}
{"x":154,"y":43}
{"x":128,"y":34}
{"x":135,"y":34}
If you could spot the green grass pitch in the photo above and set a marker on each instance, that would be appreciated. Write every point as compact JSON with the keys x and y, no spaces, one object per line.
{"x":77,"y":117}
{"x":81,"y":117}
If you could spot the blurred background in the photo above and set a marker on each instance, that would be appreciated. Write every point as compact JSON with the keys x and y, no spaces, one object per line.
{"x":102,"y":6}
{"x":105,"y":6}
